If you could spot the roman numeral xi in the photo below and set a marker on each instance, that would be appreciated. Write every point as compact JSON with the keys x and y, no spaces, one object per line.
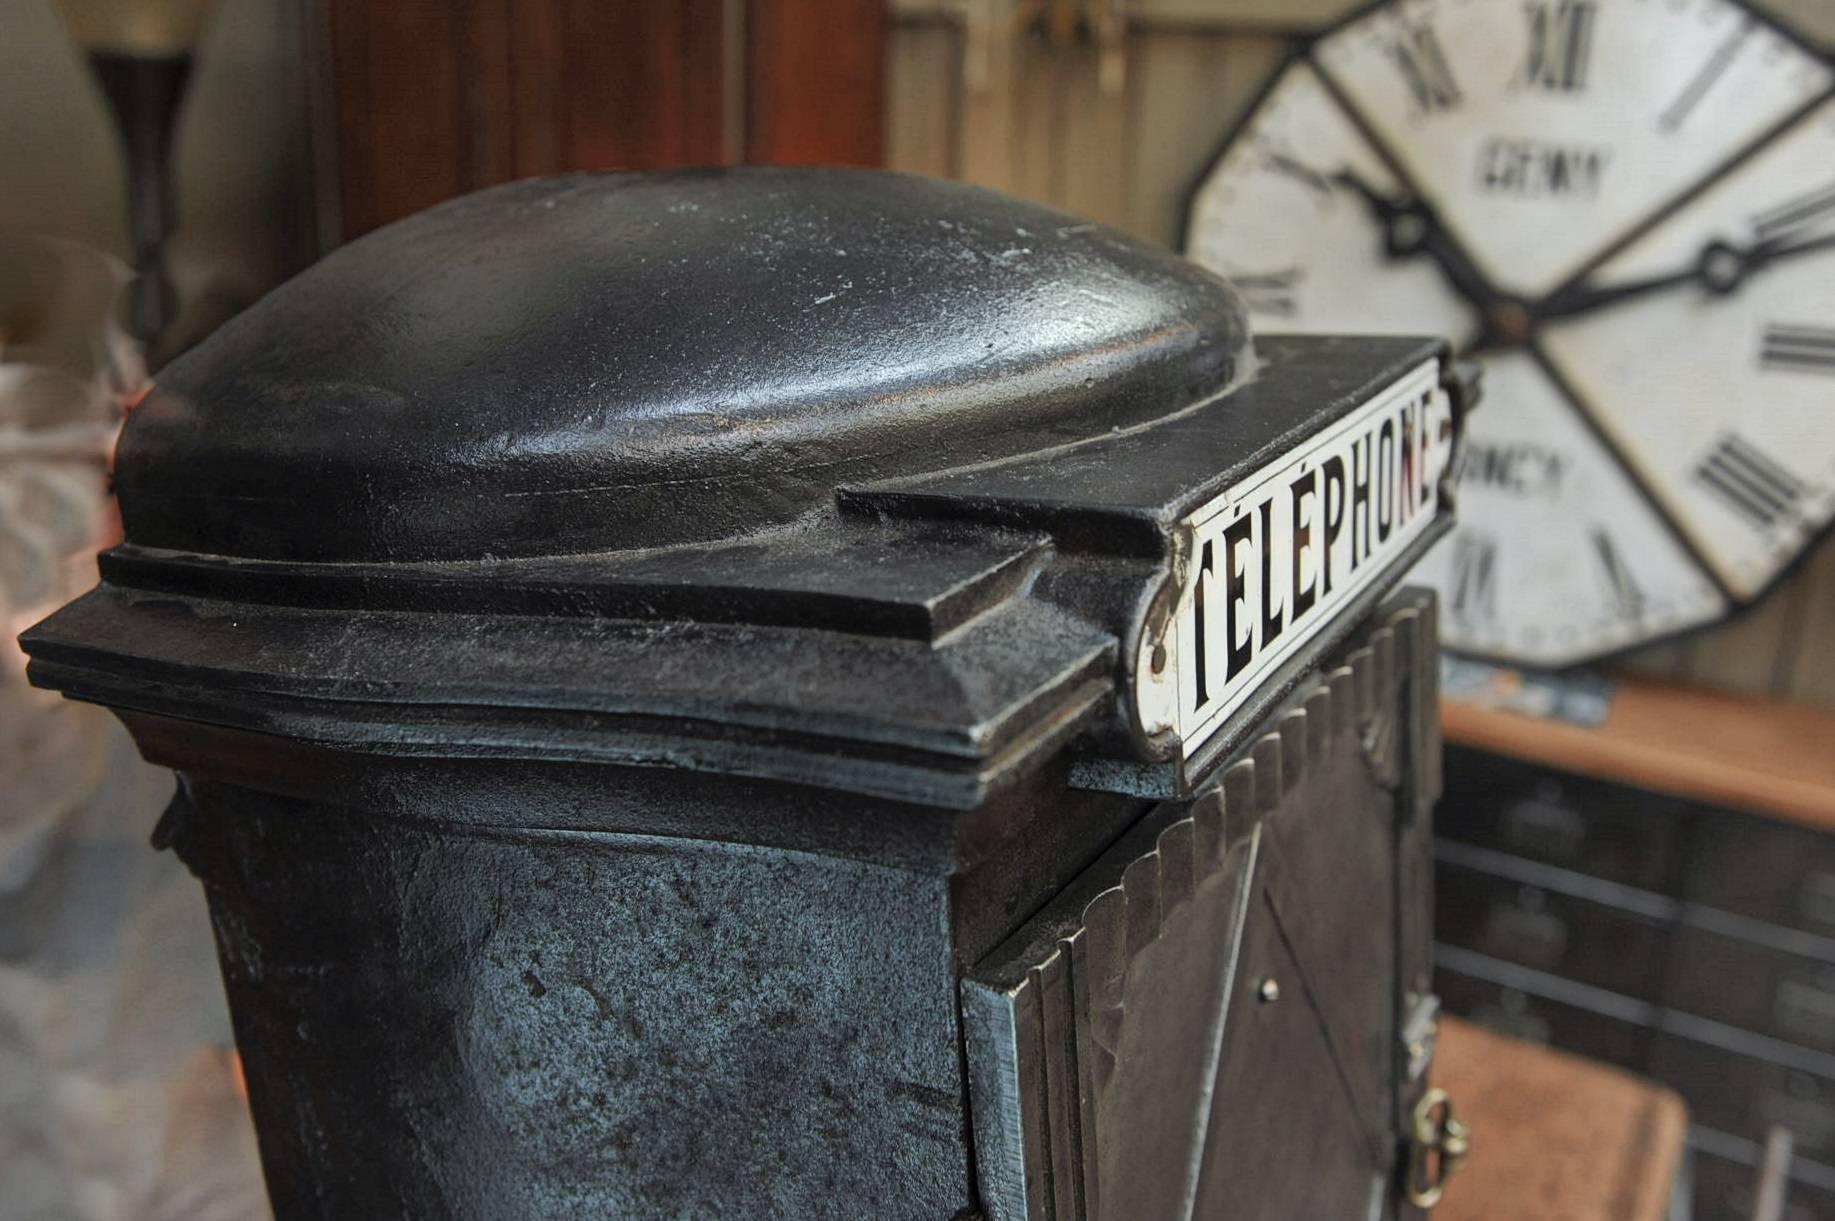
{"x":1418,"y":54}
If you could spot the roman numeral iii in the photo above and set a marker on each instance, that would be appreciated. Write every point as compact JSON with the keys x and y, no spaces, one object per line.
{"x":1750,"y":482}
{"x":1560,"y":44}
{"x":1418,"y":54}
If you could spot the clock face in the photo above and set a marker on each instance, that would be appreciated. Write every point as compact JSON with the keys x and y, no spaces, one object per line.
{"x":1625,"y":210}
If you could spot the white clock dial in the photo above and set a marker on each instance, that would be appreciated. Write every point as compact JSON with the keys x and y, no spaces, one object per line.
{"x":1585,"y":566}
{"x":1557,"y":556}
{"x":1543,"y":130}
{"x":1720,"y":388}
{"x":1280,"y":218}
{"x":1625,"y":211}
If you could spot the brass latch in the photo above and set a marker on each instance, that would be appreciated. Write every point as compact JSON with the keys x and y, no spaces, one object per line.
{"x":1436,"y":1148}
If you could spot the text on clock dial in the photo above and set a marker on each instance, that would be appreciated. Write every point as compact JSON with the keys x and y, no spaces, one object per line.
{"x":1538,"y":169}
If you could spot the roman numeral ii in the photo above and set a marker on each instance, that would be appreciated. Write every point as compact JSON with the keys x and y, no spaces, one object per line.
{"x":1621,"y":589}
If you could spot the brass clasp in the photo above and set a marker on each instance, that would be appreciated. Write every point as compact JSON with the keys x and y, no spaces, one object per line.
{"x":1436,"y":1148}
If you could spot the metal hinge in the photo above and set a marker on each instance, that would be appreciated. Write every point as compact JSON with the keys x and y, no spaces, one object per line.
{"x":1420,"y":1032}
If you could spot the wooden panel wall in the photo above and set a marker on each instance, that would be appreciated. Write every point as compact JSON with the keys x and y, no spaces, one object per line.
{"x":431,"y":100}
{"x":815,"y":91}
{"x":978,"y":89}
{"x":1040,"y":124}
{"x":427,"y":100}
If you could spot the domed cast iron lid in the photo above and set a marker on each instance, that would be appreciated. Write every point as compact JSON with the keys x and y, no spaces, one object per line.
{"x":626,"y":360}
{"x":848,"y":478}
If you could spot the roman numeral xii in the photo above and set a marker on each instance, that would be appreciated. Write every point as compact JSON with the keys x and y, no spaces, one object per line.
{"x":1560,"y":44}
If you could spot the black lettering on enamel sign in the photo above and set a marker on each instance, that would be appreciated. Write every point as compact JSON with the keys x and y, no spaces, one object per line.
{"x":1332,"y":469}
{"x":1238,"y":628}
{"x":1301,"y":516}
{"x":1360,"y":500}
{"x":1201,"y":668}
{"x":1285,"y":549}
{"x":1272,"y":612}
{"x":1411,"y":446}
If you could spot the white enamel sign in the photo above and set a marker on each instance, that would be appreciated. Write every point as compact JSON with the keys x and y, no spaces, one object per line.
{"x":1282,"y":553}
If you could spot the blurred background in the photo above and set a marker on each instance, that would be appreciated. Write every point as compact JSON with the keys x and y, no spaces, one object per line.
{"x":1638,"y":858}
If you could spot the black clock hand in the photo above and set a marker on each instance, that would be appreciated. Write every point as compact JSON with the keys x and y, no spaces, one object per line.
{"x":1582,"y":299}
{"x":1411,"y":228}
{"x":1719,"y":269}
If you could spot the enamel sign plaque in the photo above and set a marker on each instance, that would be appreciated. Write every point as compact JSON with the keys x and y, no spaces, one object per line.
{"x":1285,"y":551}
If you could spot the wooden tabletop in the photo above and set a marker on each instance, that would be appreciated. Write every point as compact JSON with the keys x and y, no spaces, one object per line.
{"x":1763,"y":756}
{"x":1554,"y":1137}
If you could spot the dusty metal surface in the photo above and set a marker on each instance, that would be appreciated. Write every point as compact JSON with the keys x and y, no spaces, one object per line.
{"x":617,"y":695}
{"x":612,"y":361}
{"x":1210,"y":1022}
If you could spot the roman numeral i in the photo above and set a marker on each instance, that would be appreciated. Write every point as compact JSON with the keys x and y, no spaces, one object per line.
{"x":1560,"y":44}
{"x":1705,"y":78}
{"x":1622,"y":590}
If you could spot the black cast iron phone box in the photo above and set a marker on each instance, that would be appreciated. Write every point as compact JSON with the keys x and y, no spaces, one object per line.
{"x":774,"y":693}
